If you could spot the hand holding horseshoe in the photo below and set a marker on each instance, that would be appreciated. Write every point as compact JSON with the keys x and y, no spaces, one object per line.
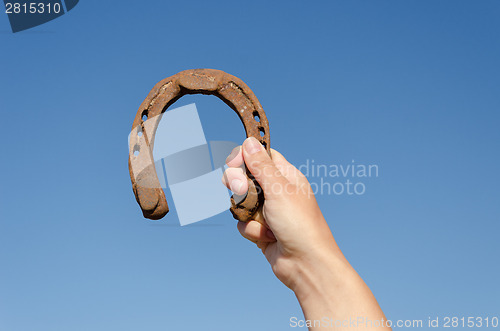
{"x":230,"y":89}
{"x":296,"y":238}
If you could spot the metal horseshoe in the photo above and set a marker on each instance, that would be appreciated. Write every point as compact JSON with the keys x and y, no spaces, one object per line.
{"x":230,"y":89}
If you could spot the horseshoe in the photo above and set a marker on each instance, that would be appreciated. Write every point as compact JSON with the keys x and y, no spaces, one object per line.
{"x":230,"y":89}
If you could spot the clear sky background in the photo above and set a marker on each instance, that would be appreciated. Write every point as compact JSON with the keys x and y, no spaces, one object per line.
{"x":412,"y":86}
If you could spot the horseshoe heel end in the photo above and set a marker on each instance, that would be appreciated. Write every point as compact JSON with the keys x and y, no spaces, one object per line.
{"x":240,"y":214}
{"x":156,"y":214}
{"x":246,"y":210}
{"x":152,"y":202}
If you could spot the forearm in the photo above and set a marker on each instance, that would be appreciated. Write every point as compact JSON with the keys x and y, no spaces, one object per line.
{"x":333,"y":296}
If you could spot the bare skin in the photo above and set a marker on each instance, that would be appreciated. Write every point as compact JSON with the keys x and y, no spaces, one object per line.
{"x":299,"y":245}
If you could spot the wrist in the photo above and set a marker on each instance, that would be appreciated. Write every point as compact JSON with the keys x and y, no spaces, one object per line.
{"x":326,"y":286}
{"x":319,"y":274}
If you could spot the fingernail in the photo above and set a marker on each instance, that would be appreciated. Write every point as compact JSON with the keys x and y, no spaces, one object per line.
{"x":270,"y":234}
{"x":233,"y":154}
{"x":252,"y":145}
{"x":236,"y":185}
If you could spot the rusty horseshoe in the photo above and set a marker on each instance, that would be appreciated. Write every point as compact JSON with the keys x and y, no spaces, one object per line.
{"x":230,"y":89}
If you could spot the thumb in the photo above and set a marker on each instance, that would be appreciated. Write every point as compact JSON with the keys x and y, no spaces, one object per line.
{"x":263,"y":168}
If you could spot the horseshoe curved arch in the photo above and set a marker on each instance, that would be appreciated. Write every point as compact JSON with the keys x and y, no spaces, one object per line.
{"x":232,"y":91}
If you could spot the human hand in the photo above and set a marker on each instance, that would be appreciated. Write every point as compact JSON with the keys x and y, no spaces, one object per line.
{"x":296,"y":239}
{"x":293,"y":228}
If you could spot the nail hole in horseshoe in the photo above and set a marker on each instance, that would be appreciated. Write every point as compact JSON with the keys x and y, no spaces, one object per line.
{"x":262,"y":132}
{"x":139,"y":131}
{"x":256,"y":116}
{"x":137,"y":150}
{"x":145,"y":116}
{"x":264,"y":144}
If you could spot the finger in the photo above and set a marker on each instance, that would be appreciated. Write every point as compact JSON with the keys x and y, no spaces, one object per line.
{"x":262,"y":167}
{"x":255,"y":232}
{"x":235,"y":180}
{"x":235,"y":159}
{"x":288,"y":170}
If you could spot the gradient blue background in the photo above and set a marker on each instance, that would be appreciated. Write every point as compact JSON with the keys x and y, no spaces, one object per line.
{"x":412,"y":86}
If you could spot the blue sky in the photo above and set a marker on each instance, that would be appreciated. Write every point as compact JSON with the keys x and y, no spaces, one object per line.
{"x":411,"y":86}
